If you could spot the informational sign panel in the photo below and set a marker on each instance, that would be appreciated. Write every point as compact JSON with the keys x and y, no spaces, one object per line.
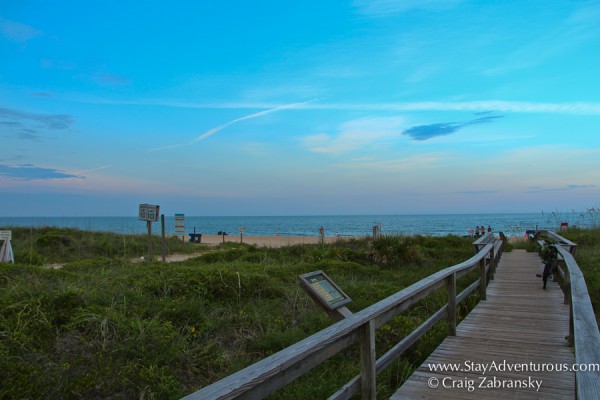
{"x":324,"y":290}
{"x":6,"y":251}
{"x":179,"y":225}
{"x":149,"y":212}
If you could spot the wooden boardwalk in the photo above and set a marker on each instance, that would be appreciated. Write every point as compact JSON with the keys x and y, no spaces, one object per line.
{"x":519,"y":327}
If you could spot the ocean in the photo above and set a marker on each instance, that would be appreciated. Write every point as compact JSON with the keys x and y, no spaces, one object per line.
{"x":342,"y":225}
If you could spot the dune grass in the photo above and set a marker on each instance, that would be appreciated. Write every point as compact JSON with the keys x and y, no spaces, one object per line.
{"x":105,"y":327}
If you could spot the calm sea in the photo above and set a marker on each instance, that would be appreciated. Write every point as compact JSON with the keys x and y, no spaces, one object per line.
{"x":349,"y":225}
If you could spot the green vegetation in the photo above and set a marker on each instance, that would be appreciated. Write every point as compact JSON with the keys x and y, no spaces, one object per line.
{"x":103,"y":326}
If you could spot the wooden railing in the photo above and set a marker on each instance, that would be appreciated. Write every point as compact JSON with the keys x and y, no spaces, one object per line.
{"x":583,"y":328}
{"x":272,"y":373}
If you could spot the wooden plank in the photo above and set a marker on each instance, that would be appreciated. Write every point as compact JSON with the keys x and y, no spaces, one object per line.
{"x":519,"y":324}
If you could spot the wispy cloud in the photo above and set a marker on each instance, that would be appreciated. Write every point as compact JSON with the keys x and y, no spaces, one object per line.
{"x":30,"y":126}
{"x":536,"y":189}
{"x":381,"y":8}
{"x":580,"y":27}
{"x":50,"y":121}
{"x":355,"y":134}
{"x":106,"y":78}
{"x":527,"y":107}
{"x":28,"y":172}
{"x":219,"y":128}
{"x":580,"y":108}
{"x":425,"y":132}
{"x":17,"y":31}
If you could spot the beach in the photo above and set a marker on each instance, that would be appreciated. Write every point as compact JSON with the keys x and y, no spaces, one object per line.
{"x":282,"y":241}
{"x":268,"y":241}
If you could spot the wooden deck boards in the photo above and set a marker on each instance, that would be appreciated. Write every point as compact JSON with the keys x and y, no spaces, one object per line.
{"x":519,"y":325}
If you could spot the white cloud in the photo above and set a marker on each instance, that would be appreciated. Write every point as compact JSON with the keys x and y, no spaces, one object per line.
{"x":356,"y":134}
{"x":577,"y":108}
{"x":212,"y":131}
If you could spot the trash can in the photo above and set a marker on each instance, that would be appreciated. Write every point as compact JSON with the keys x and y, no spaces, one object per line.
{"x":195,"y":237}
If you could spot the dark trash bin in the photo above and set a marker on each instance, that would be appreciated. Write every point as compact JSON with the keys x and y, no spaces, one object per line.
{"x":196,"y":237}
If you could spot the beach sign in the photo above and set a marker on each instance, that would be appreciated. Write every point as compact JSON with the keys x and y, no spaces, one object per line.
{"x":179,"y":225}
{"x":324,"y":290}
{"x":149,"y":212}
{"x":6,"y":252}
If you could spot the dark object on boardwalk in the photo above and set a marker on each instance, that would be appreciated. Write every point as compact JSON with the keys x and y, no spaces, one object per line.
{"x":222,"y":233}
{"x":550,"y":265}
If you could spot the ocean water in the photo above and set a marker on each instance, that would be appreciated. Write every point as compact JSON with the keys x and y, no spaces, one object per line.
{"x":343,"y":225}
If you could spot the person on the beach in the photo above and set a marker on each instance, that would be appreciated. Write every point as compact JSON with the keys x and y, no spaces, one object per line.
{"x":477,"y":231}
{"x":489,"y":228}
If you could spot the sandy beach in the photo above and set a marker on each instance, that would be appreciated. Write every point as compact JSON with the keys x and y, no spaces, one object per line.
{"x":268,"y":241}
{"x":281,"y":241}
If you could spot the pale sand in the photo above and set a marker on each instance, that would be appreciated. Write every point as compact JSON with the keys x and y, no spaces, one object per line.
{"x":282,"y":241}
{"x":269,"y":241}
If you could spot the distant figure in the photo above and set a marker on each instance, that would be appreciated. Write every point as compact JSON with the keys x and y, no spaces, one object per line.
{"x":489,"y":228}
{"x":477,"y":231}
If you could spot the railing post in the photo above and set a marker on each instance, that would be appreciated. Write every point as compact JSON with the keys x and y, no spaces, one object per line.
{"x":492,"y":263}
{"x":368,"y":374}
{"x":482,"y":279}
{"x":451,"y":280}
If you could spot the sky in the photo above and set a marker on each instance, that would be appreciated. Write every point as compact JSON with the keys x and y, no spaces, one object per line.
{"x":299,"y":108}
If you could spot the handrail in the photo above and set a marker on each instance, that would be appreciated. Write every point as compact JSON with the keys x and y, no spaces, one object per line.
{"x":272,"y":373}
{"x":482,"y":241}
{"x":583,"y":328}
{"x":563,"y":241}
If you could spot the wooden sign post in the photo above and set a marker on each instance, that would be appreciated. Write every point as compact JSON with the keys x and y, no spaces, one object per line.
{"x":329,"y":296}
{"x":149,"y":213}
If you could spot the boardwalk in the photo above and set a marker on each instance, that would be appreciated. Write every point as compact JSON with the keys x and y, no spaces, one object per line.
{"x":519,"y":326}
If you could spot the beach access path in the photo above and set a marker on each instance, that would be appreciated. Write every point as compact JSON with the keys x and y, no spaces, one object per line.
{"x":520,"y":328}
{"x":268,"y":241}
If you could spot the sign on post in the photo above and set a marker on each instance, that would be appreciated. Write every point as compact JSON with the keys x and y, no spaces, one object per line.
{"x":6,"y":251}
{"x":179,"y":225}
{"x":324,"y":290}
{"x":149,"y":212}
{"x":241,"y":229}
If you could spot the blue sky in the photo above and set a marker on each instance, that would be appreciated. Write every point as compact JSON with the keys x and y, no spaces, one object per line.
{"x":299,"y":108}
